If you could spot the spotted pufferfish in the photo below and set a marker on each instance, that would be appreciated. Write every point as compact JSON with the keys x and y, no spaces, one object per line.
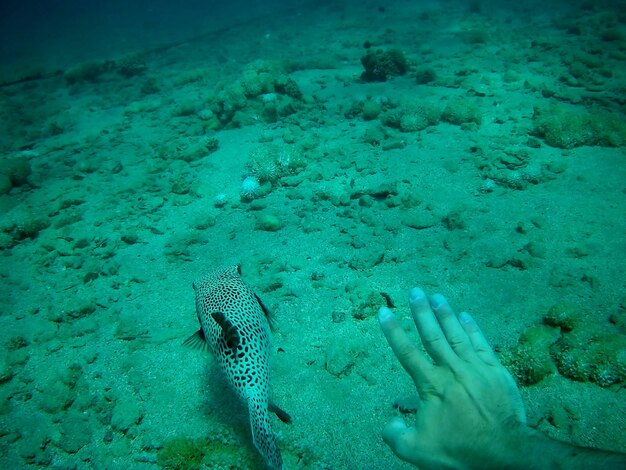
{"x":234,"y":325}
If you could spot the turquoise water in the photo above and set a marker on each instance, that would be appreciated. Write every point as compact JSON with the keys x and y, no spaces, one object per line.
{"x":342,"y":153}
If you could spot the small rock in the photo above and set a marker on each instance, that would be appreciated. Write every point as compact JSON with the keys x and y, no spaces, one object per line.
{"x":125,"y":414}
{"x":419,"y":220}
{"x":75,"y":432}
{"x":268,"y":223}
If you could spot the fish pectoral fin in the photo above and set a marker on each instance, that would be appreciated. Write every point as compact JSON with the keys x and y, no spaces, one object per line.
{"x":231,"y":335}
{"x":279,"y":412}
{"x":197,"y":341}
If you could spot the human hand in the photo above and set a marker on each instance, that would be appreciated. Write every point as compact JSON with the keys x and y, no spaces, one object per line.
{"x":469,"y":401}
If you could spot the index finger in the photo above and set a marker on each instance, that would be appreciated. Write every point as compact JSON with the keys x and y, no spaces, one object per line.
{"x":417,"y":365}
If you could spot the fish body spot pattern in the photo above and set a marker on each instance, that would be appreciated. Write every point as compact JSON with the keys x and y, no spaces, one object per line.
{"x":234,"y":326}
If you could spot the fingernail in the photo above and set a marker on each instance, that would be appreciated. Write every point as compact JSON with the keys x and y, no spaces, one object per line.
{"x":416,"y":294}
{"x":465,"y":318}
{"x":384,"y":314}
{"x":436,"y":301}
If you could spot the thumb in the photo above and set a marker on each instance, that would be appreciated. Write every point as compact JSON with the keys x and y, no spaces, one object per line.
{"x":401,"y":438}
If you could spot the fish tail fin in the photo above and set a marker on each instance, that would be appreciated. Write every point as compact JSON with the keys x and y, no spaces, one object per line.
{"x":262,"y":435}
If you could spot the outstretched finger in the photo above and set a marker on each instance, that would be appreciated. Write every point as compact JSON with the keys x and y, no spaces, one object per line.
{"x":478,"y":340}
{"x":412,"y":359}
{"x":454,"y":332}
{"x":429,"y":329}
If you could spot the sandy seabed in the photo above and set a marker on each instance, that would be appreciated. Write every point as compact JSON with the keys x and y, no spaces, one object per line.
{"x":492,"y":171}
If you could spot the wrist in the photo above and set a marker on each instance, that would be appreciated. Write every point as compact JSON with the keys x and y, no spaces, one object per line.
{"x":521,"y":447}
{"x":510,"y":447}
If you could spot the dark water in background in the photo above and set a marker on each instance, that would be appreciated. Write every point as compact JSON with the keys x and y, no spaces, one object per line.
{"x":57,"y":33}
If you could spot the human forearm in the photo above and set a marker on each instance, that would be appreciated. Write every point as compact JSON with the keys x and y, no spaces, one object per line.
{"x":526,"y":448}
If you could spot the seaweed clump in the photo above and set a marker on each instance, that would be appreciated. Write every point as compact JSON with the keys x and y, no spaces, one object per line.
{"x":567,"y":345}
{"x":182,"y":453}
{"x":223,"y":451}
{"x":381,"y":64}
